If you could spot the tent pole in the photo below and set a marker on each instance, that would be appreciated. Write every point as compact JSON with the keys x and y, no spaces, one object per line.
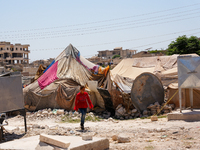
{"x":191,"y":98}
{"x":180,"y":101}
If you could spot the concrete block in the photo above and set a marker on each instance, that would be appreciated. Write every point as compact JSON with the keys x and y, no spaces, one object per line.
{"x":86,"y":137}
{"x":60,"y":111}
{"x":186,"y":115}
{"x":154,"y":118}
{"x":33,"y":143}
{"x":54,"y":141}
{"x":123,"y":139}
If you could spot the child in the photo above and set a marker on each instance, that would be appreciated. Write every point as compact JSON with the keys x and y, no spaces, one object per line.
{"x":81,"y":104}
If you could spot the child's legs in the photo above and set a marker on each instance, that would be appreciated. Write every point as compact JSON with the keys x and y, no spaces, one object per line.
{"x":83,"y":113}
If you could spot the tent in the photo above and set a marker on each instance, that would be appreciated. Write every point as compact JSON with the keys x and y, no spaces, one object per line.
{"x":60,"y":82}
{"x":164,"y":67}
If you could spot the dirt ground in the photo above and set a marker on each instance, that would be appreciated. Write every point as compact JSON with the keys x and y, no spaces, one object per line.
{"x":143,"y":134}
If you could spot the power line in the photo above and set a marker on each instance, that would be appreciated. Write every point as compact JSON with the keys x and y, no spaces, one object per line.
{"x":102,"y":21}
{"x":108,"y":30}
{"x":136,"y":39}
{"x":128,"y":23}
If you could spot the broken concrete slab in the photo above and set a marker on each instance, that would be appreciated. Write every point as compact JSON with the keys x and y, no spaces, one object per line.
{"x":76,"y":143}
{"x":56,"y":141}
{"x":86,"y":137}
{"x":186,"y":115}
{"x":154,"y":118}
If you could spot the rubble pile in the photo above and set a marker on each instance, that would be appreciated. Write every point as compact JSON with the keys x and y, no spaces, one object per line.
{"x":46,"y":113}
{"x":153,"y":109}
{"x":121,"y":113}
{"x":65,"y":116}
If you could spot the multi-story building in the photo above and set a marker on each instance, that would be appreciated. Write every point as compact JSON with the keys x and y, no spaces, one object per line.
{"x":108,"y":54}
{"x":13,"y":54}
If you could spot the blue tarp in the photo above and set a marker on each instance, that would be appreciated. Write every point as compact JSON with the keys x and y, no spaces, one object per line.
{"x":49,"y":66}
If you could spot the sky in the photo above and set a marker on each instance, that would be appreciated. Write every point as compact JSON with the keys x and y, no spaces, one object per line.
{"x":49,"y":26}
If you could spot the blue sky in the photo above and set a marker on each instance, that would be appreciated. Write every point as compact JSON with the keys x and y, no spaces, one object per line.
{"x":50,"y":25}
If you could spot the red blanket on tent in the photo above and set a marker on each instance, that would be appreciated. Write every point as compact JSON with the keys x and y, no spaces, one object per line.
{"x":49,"y":76}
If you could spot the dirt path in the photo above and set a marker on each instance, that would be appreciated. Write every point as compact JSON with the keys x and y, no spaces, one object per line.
{"x":143,"y":133}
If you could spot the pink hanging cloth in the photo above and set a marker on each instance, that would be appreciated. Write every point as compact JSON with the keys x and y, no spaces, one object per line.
{"x":49,"y":76}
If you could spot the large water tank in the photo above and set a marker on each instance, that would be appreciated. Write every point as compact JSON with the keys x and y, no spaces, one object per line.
{"x":146,"y":89}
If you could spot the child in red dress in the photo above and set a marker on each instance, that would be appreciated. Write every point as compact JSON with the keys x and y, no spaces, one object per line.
{"x":81,"y":104}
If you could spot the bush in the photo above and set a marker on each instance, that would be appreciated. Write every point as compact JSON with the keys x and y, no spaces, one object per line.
{"x":115,"y":56}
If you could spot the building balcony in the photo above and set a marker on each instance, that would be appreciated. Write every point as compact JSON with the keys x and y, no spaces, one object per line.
{"x":14,"y":51}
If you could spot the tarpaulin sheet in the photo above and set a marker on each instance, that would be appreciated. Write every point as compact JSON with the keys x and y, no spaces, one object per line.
{"x":49,"y":76}
{"x":49,"y":66}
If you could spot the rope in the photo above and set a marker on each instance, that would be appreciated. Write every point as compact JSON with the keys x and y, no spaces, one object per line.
{"x":166,"y":103}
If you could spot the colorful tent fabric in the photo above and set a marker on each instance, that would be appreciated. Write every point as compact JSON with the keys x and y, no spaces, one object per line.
{"x":49,"y":66}
{"x":49,"y":76}
{"x":58,"y":86}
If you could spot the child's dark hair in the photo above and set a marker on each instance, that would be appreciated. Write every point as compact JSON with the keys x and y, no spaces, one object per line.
{"x":82,"y":87}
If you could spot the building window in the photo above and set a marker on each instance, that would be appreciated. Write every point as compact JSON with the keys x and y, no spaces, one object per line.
{"x":7,"y":48}
{"x":20,"y":48}
{"x":16,"y":48}
{"x":1,"y":48}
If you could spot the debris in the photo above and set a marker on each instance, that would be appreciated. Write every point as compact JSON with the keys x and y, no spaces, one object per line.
{"x":54,"y":141}
{"x":123,"y":139}
{"x":36,"y":126}
{"x":145,"y":112}
{"x":154,"y":118}
{"x":60,"y":111}
{"x":86,"y":137}
{"x":114,"y":137}
{"x":134,"y":110}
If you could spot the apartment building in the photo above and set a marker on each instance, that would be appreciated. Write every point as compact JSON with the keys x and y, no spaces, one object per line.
{"x":108,"y":54}
{"x":13,"y":54}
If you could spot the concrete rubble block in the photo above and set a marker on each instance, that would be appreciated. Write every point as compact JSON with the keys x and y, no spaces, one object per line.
{"x":172,"y":106}
{"x":145,"y":112}
{"x":28,"y":113}
{"x":87,"y":137}
{"x":35,"y":126}
{"x":60,"y":111}
{"x":114,"y":137}
{"x":134,"y":111}
{"x":76,"y":143}
{"x":151,"y":106}
{"x":49,"y":110}
{"x":154,"y":118}
{"x":121,"y":111}
{"x":119,"y":106}
{"x":160,"y":130}
{"x":54,"y":141}
{"x":157,"y":104}
{"x":39,"y":112}
{"x":45,"y":113}
{"x":123,"y":139}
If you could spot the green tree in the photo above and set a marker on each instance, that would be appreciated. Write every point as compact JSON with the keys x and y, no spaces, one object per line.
{"x":115,"y":56}
{"x":184,"y":45}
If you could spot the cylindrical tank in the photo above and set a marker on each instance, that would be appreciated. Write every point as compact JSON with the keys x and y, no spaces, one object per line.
{"x":146,"y":89}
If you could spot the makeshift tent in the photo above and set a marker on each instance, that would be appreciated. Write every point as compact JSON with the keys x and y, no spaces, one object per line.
{"x":60,"y":83}
{"x":164,"y":67}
